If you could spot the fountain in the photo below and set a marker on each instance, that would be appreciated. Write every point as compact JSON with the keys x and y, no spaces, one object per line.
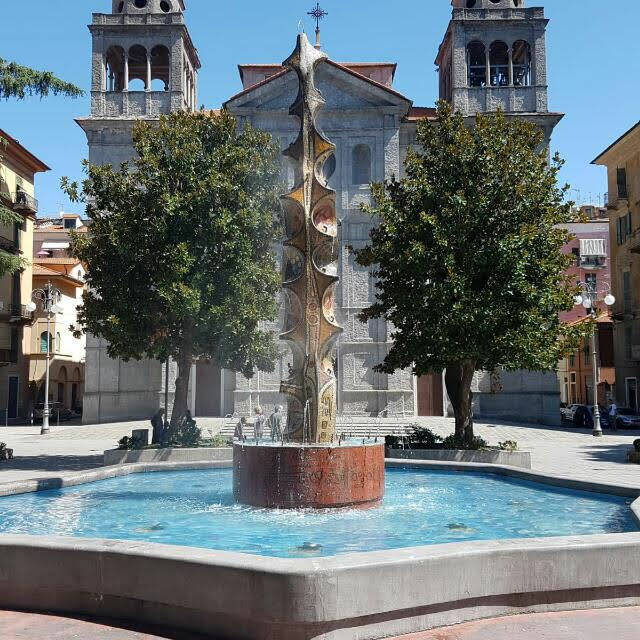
{"x":312,"y":468}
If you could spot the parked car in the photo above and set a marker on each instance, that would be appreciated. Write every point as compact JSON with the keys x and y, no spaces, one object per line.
{"x":583,"y":416}
{"x":627,"y":418}
{"x":55,"y":409}
{"x":567,"y":411}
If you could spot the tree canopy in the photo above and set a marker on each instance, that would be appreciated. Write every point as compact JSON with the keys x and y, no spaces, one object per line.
{"x":17,"y":81}
{"x":180,"y":253}
{"x":468,"y":255}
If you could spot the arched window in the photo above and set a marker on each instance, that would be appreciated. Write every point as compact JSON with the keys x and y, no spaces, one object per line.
{"x":521,"y":63}
{"x":137,"y":68}
{"x":476,"y":64}
{"x":115,"y":69}
{"x":160,"y":68}
{"x":43,"y":342}
{"x":361,"y":164}
{"x":499,"y":64}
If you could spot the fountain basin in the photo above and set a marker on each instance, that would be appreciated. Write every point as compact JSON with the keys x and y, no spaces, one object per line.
{"x":307,"y":476}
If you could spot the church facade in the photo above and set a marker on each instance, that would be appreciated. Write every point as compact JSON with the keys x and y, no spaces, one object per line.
{"x":493,"y":56}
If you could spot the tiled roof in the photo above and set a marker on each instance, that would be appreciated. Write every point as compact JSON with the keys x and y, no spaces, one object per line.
{"x":46,"y":261}
{"x":284,"y":70}
{"x":421,"y":113}
{"x":40,"y":270}
{"x":58,"y":229}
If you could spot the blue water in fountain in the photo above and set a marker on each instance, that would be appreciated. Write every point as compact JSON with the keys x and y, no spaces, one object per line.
{"x":196,"y":508}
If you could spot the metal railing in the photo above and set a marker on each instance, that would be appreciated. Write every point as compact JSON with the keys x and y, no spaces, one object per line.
{"x":19,"y":312}
{"x":8,"y":356}
{"x":22,"y":201}
{"x":8,"y":245}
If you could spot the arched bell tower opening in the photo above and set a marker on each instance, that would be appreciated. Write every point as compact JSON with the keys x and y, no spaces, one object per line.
{"x":493,"y":56}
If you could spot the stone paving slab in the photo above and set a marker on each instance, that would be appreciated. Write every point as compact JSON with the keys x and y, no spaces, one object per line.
{"x":565,"y":451}
{"x":33,"y":626}
{"x":597,"y":624}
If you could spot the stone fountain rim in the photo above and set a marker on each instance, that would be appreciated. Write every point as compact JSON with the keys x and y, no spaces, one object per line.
{"x":372,"y":594}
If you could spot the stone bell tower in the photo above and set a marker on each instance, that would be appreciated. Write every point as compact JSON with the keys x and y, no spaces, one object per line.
{"x":494,"y":56}
{"x":143,"y":65}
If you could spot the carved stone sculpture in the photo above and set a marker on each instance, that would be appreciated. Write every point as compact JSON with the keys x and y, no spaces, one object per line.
{"x":310,"y":265}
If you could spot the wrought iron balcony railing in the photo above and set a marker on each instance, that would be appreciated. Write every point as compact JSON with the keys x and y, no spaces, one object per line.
{"x":8,"y":356}
{"x":22,"y":201}
{"x":9,"y":246}
{"x":18,"y":313}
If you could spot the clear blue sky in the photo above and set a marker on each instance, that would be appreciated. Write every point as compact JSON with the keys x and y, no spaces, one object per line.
{"x":593,"y":63}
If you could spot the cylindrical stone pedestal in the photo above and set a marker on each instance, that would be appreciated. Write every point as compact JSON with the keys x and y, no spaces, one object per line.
{"x":299,"y":476}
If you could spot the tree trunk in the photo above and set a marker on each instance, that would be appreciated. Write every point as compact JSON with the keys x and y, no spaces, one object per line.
{"x":181,"y":396}
{"x":458,"y":379}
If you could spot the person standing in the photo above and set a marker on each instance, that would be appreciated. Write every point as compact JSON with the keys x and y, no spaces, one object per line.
{"x":258,"y":424}
{"x":157,"y":422}
{"x":275,"y":423}
{"x":238,"y":433}
{"x":613,"y":415}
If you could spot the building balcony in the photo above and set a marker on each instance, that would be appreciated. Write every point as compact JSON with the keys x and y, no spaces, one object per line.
{"x":9,"y":246}
{"x":593,"y":263}
{"x":24,"y":203}
{"x":8,"y":356}
{"x":16,"y":314}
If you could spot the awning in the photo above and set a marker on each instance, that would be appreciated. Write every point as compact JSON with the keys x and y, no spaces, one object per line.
{"x":55,"y":245}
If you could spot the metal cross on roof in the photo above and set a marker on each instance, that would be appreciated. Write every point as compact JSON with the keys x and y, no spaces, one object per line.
{"x":318,"y":13}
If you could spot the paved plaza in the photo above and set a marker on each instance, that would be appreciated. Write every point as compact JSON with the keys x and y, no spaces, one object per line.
{"x":621,"y":624}
{"x":565,"y":451}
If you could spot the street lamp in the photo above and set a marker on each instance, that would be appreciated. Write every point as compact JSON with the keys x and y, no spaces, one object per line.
{"x":49,"y":298}
{"x":588,"y":300}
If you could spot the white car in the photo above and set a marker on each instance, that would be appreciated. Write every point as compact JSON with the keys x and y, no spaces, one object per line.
{"x":567,"y":413}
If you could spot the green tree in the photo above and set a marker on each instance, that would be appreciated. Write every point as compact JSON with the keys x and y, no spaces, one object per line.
{"x":18,"y":82}
{"x":180,"y":254}
{"x":467,"y":256}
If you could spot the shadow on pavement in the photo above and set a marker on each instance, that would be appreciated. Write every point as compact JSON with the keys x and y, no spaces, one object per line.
{"x":609,"y":452}
{"x":82,"y":628}
{"x":52,"y":463}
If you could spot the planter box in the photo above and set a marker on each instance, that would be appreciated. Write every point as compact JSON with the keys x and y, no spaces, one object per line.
{"x":120,"y":456}
{"x":6,"y":454}
{"x":510,"y":458}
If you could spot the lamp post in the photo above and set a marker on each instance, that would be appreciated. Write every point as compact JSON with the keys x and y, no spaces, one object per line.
{"x":49,"y":297}
{"x":588,"y":300}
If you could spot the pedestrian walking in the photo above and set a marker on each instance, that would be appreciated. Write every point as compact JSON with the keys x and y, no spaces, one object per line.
{"x":613,"y":416}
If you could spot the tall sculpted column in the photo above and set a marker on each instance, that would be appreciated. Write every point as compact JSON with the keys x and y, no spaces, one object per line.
{"x":310,"y":265}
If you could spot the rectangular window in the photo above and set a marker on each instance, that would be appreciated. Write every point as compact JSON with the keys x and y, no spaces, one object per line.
{"x":591,"y":280}
{"x":15,"y":344}
{"x":572,"y":360}
{"x":628,"y":342}
{"x":619,"y":230}
{"x":621,"y":179}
